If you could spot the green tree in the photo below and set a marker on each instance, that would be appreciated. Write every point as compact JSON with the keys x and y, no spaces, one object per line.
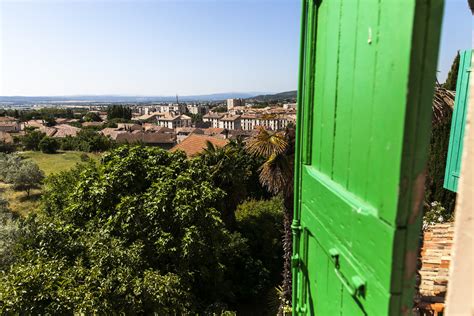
{"x":31,"y":140}
{"x":261,"y":223}
{"x":276,"y":173}
{"x":452,"y":78}
{"x":49,"y":120}
{"x":49,"y":145}
{"x":92,"y":117}
{"x":9,"y":163}
{"x":27,"y":177}
{"x":139,"y":233}
{"x":236,"y":173}
{"x":119,"y":112}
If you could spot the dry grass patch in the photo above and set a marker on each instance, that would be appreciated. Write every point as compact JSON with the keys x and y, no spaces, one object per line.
{"x":19,"y":202}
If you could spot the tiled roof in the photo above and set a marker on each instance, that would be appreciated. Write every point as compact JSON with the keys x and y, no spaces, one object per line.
{"x":213,"y":116}
{"x":64,"y":130}
{"x":230,"y":118}
{"x":109,"y":131}
{"x":194,"y":144}
{"x":7,"y":119}
{"x":189,"y":130}
{"x":214,"y":131}
{"x":156,"y":128}
{"x":49,"y":131}
{"x":34,"y":123}
{"x":92,"y":124}
{"x":169,"y":117}
{"x":146,"y":117}
{"x":147,"y":138}
{"x":8,"y":124}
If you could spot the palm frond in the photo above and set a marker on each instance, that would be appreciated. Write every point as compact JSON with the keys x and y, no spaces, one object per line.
{"x":275,"y":173}
{"x":266,"y":143}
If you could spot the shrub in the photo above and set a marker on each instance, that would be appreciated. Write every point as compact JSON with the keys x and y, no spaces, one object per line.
{"x":49,"y":145}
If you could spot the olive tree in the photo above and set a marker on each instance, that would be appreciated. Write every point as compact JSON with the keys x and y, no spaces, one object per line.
{"x":28,"y":176}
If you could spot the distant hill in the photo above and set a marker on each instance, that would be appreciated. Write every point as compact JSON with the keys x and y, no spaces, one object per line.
{"x":288,"y":95}
{"x":120,"y":98}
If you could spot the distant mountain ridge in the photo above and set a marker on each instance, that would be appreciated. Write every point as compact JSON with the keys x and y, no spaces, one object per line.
{"x":119,"y":98}
{"x":287,"y":95}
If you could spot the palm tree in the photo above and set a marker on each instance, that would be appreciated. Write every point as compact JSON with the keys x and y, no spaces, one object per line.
{"x":276,"y":174}
{"x":231,"y":170}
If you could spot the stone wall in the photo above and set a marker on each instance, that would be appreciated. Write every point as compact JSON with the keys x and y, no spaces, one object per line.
{"x":434,"y":272}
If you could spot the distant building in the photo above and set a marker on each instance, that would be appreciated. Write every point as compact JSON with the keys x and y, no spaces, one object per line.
{"x":168,"y":108}
{"x":272,"y":122}
{"x":173,"y":121}
{"x":288,"y":106}
{"x":198,"y":109}
{"x":150,"y":117}
{"x":231,"y":103}
{"x":213,"y":119}
{"x":9,"y":124}
{"x":230,"y":122}
{"x":129,"y":127}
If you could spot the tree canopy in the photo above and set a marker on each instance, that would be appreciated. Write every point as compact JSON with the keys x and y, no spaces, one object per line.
{"x":119,"y":112}
{"x":452,"y":78}
{"x":141,"y":233}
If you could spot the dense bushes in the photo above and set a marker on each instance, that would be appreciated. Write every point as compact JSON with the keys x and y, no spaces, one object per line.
{"x":140,"y":233}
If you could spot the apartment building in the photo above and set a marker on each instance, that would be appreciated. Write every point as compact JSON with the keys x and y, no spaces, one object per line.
{"x":213,"y":119}
{"x":272,"y":122}
{"x":198,"y":109}
{"x":230,"y":122}
{"x":173,"y":120}
{"x":231,"y":103}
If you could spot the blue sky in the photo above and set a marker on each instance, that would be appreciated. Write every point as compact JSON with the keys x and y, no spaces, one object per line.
{"x":165,"y":47}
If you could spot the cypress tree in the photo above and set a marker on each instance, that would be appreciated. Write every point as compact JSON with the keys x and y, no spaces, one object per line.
{"x":450,"y":83}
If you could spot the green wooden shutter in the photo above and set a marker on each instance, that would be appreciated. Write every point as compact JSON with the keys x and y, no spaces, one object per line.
{"x":458,"y":123}
{"x":367,"y":73}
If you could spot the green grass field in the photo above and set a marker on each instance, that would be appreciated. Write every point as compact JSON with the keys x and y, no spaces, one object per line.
{"x":53,"y":163}
{"x":22,"y":204}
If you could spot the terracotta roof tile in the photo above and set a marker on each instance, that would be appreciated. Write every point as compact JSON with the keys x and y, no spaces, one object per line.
{"x":194,"y":144}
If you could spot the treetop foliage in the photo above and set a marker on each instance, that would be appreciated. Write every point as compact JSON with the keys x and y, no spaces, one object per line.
{"x":141,"y":233}
{"x":119,"y":112}
{"x":452,"y":78}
